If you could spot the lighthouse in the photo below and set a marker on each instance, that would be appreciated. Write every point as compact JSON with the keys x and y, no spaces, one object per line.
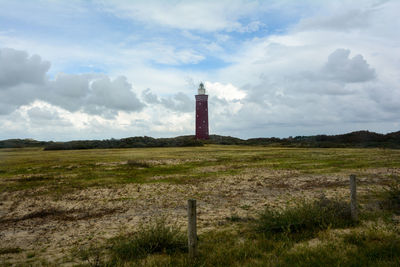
{"x":201,"y":113}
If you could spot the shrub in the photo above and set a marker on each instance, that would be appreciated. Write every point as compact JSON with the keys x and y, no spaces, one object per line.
{"x":305,"y":216}
{"x":150,"y":239}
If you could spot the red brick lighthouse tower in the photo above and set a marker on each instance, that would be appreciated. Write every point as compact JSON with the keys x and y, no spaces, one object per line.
{"x":201,"y":113}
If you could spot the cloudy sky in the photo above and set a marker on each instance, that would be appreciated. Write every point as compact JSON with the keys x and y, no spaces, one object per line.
{"x":112,"y":69}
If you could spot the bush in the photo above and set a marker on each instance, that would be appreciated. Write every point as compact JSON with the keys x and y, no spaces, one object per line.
{"x":150,"y":239}
{"x":305,"y":216}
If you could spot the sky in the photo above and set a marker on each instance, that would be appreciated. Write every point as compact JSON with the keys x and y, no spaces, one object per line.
{"x":85,"y":69}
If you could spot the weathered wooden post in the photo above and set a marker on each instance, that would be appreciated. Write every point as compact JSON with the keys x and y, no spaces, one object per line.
{"x":353,"y":198}
{"x":192,"y":228}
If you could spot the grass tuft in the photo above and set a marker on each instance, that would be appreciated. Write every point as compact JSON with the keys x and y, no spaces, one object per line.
{"x":11,"y":250}
{"x":157,"y":237}
{"x":93,"y":255}
{"x":137,"y":163}
{"x":306,"y":216}
{"x":392,"y":195}
{"x":373,"y":247}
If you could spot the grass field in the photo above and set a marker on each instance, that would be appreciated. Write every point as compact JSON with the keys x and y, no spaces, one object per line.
{"x":88,"y":206}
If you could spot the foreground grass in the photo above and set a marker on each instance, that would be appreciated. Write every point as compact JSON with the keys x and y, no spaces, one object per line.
{"x":58,"y":172}
{"x":305,"y":217}
{"x":308,"y":232}
{"x":316,"y":233}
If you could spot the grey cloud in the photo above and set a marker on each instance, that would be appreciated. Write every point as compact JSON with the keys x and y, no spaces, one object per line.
{"x":384,"y":95}
{"x":149,"y":97}
{"x":350,"y":70}
{"x":6,"y":108}
{"x":93,"y":94}
{"x":302,"y":110}
{"x":316,"y":86}
{"x":41,"y":113}
{"x":179,"y":102}
{"x":45,"y":117}
{"x":68,"y":91}
{"x":17,"y":67}
{"x":71,"y":85}
{"x":23,"y":80}
{"x":333,"y":94}
{"x":114,"y":94}
{"x":100,"y":110}
{"x":336,"y":77}
{"x":16,"y":96}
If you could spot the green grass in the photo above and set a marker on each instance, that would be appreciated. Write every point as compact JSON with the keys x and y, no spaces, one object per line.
{"x":316,"y":232}
{"x":305,"y":217}
{"x":392,"y":194}
{"x":240,"y":244}
{"x":373,"y":247}
{"x":149,"y":239}
{"x":304,"y":233}
{"x":65,"y":171}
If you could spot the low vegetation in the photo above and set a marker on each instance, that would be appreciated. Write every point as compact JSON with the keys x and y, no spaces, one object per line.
{"x":305,"y":217}
{"x":131,"y":142}
{"x":10,"y":250}
{"x":135,"y":163}
{"x":153,"y":238}
{"x":353,"y":139}
{"x":310,"y":233}
{"x":60,"y":172}
{"x":258,"y":206}
{"x":392,"y":195}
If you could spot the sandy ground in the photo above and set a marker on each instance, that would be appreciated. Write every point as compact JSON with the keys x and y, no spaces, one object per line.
{"x":48,"y":228}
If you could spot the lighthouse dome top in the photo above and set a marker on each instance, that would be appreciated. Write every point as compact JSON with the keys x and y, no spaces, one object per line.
{"x":201,"y":90}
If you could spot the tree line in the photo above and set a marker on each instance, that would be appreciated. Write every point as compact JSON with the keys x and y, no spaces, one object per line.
{"x":353,"y":139}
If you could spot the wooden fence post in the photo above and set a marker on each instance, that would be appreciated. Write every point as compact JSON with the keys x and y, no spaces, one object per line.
{"x":192,"y":228}
{"x":353,"y":198}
